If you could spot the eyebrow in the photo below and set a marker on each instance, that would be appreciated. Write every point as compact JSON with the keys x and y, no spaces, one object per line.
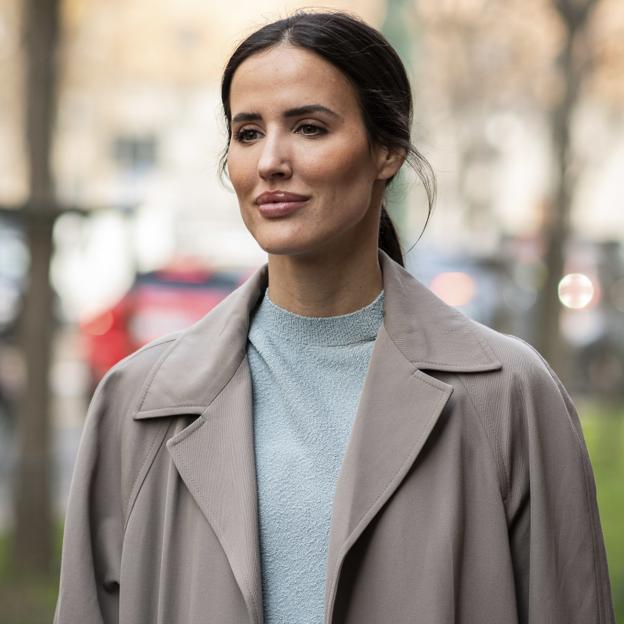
{"x":291,"y":112}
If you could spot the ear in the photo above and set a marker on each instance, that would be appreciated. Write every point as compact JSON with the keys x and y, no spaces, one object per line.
{"x":388,"y":161}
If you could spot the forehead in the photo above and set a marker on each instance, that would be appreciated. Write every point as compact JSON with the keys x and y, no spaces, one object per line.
{"x":286,"y":76}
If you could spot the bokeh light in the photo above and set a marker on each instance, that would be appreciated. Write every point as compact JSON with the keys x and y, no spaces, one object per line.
{"x":576,"y":291}
{"x":455,"y":288}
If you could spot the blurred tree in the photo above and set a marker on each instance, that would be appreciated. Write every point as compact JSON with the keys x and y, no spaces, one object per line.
{"x":481,"y":59}
{"x":573,"y":64}
{"x":541,"y":62}
{"x":32,"y":546}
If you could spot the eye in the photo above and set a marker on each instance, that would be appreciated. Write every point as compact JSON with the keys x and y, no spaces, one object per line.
{"x":309,"y":129}
{"x":246,"y":135}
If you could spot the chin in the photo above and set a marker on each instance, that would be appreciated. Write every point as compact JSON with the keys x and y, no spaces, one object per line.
{"x":289,"y":246}
{"x":284,"y":248}
{"x":282,"y":242}
{"x":289,"y":239}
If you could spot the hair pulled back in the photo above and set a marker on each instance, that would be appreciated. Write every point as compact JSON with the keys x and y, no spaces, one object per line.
{"x":377,"y":74}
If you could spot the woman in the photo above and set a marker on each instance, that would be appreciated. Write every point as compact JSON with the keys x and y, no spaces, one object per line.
{"x":332,"y":443}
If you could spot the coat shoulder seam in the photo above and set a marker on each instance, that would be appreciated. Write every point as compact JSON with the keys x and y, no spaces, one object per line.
{"x":501,"y":468}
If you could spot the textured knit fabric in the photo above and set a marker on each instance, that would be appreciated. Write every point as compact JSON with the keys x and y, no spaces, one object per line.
{"x":307,"y":376}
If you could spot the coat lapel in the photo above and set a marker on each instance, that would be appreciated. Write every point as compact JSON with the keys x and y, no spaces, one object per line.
{"x":398,"y":409}
{"x":215,"y":458}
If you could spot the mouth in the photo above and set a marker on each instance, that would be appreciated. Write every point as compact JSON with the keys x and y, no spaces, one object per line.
{"x":277,"y":204}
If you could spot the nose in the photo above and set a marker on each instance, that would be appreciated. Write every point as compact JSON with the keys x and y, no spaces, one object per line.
{"x":274,"y":161}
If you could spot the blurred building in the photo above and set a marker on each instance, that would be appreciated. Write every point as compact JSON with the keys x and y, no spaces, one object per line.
{"x":140,"y":130}
{"x":487,"y":77}
{"x":139,"y":137}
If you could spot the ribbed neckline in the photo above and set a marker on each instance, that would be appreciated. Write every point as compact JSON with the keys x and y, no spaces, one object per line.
{"x":345,"y":329}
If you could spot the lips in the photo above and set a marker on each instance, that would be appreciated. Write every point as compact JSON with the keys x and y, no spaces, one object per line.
{"x":276,"y":204}
{"x":279,"y":197}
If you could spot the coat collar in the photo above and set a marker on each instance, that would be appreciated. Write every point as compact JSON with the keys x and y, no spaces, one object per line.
{"x":430,"y":334}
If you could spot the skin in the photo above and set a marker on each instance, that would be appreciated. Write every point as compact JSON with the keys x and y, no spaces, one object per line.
{"x":323,"y":257}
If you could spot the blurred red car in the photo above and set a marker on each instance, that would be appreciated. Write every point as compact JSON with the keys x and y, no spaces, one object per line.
{"x":158,"y":303}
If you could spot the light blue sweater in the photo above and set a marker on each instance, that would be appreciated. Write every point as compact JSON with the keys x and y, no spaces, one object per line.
{"x":307,"y":376}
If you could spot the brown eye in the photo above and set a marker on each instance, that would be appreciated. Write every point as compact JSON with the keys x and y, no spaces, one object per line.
{"x":246,"y":135}
{"x":309,"y":129}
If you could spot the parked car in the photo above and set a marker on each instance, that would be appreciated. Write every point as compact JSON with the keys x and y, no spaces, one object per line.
{"x":159,"y":302}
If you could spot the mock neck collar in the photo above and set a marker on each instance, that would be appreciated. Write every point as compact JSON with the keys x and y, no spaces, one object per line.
{"x":327,"y":331}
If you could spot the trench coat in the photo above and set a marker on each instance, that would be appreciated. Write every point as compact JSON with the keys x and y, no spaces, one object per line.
{"x":465,"y":496}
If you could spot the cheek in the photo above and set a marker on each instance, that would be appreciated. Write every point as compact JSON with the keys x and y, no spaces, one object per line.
{"x":340,"y":166}
{"x":346,"y":175}
{"x":240,"y":170}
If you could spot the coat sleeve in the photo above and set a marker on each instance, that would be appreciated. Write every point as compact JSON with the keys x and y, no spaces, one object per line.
{"x":91,"y":555}
{"x":557,"y":548}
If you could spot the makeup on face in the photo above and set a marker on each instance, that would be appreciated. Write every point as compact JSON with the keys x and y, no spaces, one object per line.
{"x":299,"y":156}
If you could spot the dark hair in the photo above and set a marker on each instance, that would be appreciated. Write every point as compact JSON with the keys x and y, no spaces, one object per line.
{"x":374,"y":69}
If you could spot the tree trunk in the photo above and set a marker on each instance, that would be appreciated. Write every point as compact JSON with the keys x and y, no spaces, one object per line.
{"x":32,"y":548}
{"x":574,"y":16}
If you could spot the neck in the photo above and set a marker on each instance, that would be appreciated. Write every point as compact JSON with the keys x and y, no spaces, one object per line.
{"x":326,"y":285}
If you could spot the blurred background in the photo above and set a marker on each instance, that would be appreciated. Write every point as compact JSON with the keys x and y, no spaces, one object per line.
{"x":115,"y":227}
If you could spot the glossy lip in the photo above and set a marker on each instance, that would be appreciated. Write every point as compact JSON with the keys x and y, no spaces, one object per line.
{"x":275,"y":204}
{"x":275,"y":197}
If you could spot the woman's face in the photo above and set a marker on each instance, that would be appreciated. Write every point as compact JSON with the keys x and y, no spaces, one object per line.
{"x":299,"y":160}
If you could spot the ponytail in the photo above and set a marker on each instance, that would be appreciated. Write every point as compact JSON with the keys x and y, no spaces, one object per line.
{"x":389,"y":239}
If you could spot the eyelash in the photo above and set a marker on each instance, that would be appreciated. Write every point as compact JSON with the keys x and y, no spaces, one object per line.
{"x":318,"y":131}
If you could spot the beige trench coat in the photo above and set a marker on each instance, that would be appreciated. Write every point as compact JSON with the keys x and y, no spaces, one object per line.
{"x":465,"y":496}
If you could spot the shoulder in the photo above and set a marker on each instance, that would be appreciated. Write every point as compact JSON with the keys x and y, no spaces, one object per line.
{"x":523,"y":408}
{"x":128,"y":381}
{"x":122,"y":385}
{"x":522,"y":391}
{"x":522,"y":366}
